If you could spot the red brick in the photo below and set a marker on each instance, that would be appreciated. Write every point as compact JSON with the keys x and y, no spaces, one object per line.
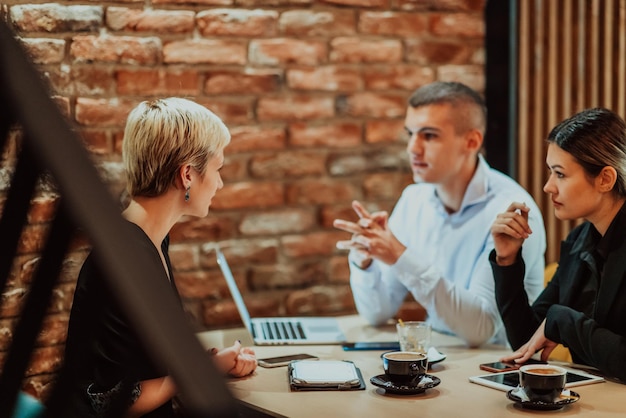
{"x":230,"y":110}
{"x":211,"y":228}
{"x":295,"y":108}
{"x":51,"y":17}
{"x":287,"y":51}
{"x":359,"y":3}
{"x":393,"y":23}
{"x":347,"y":164}
{"x":235,"y":167}
{"x":63,"y":104}
{"x":116,"y":49}
{"x":102,"y":112}
{"x":458,"y":24}
{"x":59,"y":80}
{"x":355,"y":50}
{"x":45,"y":360}
{"x":237,"y":22}
{"x":472,"y":75}
{"x":343,"y":211}
{"x":96,"y":141}
{"x":339,"y":269}
{"x":6,"y":333}
{"x":332,"y":135}
{"x":205,"y":51}
{"x":405,"y":77}
{"x":249,"y":195}
{"x":72,"y":264}
{"x":183,"y":257}
{"x":241,"y":253}
{"x":306,"y":245}
{"x":320,"y":300}
{"x":44,"y":51}
{"x":157,"y":82}
{"x":327,"y":78}
{"x":440,"y":5}
{"x":438,"y":51}
{"x":385,"y":131}
{"x":62,"y":297}
{"x":22,"y":271}
{"x":32,"y":239}
{"x":200,"y":2}
{"x":159,"y":21}
{"x":381,"y":186}
{"x":12,"y":301}
{"x":39,"y":386}
{"x":248,"y":81}
{"x":277,"y":222}
{"x":317,"y":23}
{"x":53,"y":330}
{"x":42,"y":208}
{"x":316,"y":192}
{"x":256,"y":138}
{"x":288,"y":165}
{"x":216,"y":315}
{"x":199,"y":285}
{"x":276,"y":280}
{"x":89,"y":80}
{"x":369,"y":104}
{"x":273,"y":3}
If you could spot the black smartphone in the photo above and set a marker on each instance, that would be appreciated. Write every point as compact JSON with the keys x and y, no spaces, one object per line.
{"x":284,"y":360}
{"x":499,"y":366}
{"x":372,"y":345}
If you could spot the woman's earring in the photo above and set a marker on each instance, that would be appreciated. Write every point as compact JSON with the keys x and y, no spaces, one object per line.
{"x":187,"y":194}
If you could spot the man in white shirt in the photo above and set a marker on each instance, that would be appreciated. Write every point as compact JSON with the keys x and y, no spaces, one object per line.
{"x":437,"y":240}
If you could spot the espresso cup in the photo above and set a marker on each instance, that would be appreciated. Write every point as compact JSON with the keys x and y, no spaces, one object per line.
{"x":405,"y":367}
{"x":542,"y":382}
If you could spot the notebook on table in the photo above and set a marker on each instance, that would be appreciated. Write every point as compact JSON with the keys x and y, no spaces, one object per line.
{"x":281,"y":330}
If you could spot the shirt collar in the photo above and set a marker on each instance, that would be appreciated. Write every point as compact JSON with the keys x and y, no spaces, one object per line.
{"x":476,"y":192}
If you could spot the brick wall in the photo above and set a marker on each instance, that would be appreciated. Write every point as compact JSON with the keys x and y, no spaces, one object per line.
{"x":314,"y":93}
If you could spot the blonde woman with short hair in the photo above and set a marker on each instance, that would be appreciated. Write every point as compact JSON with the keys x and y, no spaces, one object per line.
{"x":173,"y":152}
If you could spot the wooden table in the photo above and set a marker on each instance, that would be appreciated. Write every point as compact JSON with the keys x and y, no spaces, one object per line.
{"x":267,"y":393}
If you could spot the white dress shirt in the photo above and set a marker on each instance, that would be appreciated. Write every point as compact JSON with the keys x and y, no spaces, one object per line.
{"x":446,"y":263}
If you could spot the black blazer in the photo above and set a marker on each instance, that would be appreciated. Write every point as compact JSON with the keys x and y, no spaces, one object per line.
{"x":598,"y":339}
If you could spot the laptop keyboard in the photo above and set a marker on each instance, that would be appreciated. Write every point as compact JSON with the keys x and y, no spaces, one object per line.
{"x":281,"y":330}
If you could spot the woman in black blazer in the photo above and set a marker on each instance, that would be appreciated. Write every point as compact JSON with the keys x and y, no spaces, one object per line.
{"x":584,"y":305}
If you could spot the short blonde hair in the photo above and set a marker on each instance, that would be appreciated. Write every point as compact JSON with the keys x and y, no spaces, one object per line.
{"x":164,"y":134}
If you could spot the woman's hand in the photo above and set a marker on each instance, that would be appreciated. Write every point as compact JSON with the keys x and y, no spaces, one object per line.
{"x":537,"y":342}
{"x":509,"y":231}
{"x":237,"y":361}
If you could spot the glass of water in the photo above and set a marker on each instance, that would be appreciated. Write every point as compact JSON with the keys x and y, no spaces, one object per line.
{"x":414,"y":336}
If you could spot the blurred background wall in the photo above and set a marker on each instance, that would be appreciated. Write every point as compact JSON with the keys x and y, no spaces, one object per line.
{"x":314,"y":93}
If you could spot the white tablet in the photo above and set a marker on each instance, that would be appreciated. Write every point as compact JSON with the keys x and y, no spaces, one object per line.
{"x":506,"y":381}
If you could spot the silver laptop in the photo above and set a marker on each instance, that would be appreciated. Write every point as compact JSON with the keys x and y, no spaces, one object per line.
{"x":282,"y":330}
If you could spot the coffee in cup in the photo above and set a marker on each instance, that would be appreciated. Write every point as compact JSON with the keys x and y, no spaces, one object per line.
{"x":404,"y":367}
{"x":542,"y":382}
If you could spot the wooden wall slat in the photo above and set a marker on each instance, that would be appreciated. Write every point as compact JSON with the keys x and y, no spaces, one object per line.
{"x":571,"y":56}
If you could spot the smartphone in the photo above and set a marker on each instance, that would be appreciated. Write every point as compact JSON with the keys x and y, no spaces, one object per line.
{"x":499,"y":366}
{"x":284,"y":360}
{"x":372,"y":345}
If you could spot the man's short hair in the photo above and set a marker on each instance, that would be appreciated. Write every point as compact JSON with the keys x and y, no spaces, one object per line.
{"x":470,"y":104}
